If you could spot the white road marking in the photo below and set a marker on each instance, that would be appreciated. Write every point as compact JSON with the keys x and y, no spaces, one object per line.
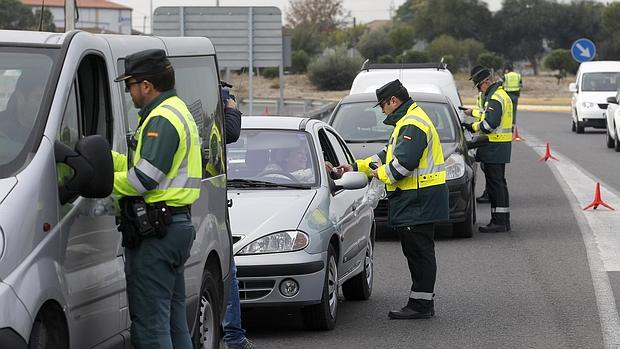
{"x":601,"y":239}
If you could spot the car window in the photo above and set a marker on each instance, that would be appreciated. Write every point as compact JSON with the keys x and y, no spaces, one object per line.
{"x":340,"y":153}
{"x":276,"y":156}
{"x":361,"y":122}
{"x":600,"y":81}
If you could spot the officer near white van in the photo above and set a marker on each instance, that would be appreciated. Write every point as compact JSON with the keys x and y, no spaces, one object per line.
{"x":513,"y":85}
{"x":157,"y":184}
{"x":412,"y":168}
{"x":497,"y":124}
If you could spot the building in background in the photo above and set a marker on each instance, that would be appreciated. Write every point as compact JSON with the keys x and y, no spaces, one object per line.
{"x":96,"y":16}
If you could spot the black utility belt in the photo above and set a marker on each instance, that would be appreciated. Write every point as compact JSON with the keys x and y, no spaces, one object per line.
{"x":140,"y":221}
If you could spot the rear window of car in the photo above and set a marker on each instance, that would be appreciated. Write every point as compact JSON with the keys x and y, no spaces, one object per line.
{"x":362,"y":122}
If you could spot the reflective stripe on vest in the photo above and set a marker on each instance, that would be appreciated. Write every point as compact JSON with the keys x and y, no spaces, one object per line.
{"x":431,"y":169}
{"x":511,"y":82}
{"x":181,"y":185}
{"x":503,"y":133}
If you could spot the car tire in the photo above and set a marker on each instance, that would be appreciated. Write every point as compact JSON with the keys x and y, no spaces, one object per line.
{"x":322,"y":316}
{"x":616,"y":143}
{"x":465,"y":229}
{"x":208,"y":322}
{"x":610,"y":140}
{"x":359,"y":288}
{"x":580,"y":127}
{"x":48,"y":332}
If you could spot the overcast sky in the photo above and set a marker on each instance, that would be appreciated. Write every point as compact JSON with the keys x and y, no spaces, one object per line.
{"x":363,"y":10}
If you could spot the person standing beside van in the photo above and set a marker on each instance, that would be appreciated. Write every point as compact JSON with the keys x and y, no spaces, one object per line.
{"x":157,"y":184}
{"x":513,"y":85}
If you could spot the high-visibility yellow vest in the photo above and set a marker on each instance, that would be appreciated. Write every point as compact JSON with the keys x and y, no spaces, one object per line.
{"x":503,"y":133}
{"x":431,"y":169}
{"x":477,"y":111}
{"x":181,"y":185}
{"x":512,"y":82}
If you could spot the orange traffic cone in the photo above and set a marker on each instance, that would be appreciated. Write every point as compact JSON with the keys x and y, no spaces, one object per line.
{"x":516,"y":136}
{"x":266,"y":110}
{"x":597,"y":199}
{"x":547,"y":155}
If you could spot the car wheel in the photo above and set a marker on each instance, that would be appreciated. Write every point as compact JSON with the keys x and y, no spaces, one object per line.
{"x":465,"y":229}
{"x":580,"y":127}
{"x":322,"y":316}
{"x":616,"y":143}
{"x":48,"y":332}
{"x":359,"y":288}
{"x":207,"y":328}
{"x":610,"y":140}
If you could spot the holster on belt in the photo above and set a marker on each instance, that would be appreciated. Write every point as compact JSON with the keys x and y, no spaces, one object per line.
{"x":140,"y":221}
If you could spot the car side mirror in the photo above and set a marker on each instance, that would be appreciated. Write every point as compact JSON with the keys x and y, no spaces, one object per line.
{"x":477,"y":142}
{"x":87,"y":171}
{"x":572,"y":87}
{"x":351,"y":180}
{"x":612,"y":100}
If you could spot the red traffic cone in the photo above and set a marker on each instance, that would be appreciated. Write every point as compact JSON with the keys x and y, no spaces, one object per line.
{"x":266,"y":110}
{"x":516,"y":136}
{"x":547,"y":155}
{"x":597,"y":199}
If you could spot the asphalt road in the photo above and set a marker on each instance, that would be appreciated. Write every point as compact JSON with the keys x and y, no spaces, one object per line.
{"x":530,"y":288}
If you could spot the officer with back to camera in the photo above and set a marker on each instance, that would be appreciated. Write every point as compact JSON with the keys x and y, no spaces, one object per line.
{"x":158,"y":186}
{"x":497,"y":124}
{"x":412,"y":168}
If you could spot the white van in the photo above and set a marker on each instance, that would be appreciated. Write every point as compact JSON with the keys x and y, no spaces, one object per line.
{"x":62,"y":281}
{"x":596,"y":81}
{"x":416,"y":77}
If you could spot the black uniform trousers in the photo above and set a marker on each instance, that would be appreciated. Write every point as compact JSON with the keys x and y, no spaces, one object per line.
{"x":495,"y":176}
{"x":418,"y":244}
{"x":514,"y":97}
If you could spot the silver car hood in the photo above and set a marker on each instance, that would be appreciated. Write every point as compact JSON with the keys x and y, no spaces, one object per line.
{"x":364,"y":150}
{"x":256,"y":213}
{"x":6,"y":185}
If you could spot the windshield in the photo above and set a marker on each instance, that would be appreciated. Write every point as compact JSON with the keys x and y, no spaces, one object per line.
{"x":24,"y":73}
{"x":600,"y":81}
{"x":361,"y":122}
{"x":272,"y":156}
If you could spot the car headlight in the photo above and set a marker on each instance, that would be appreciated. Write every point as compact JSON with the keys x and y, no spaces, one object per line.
{"x":588,"y":105}
{"x":284,"y":241}
{"x":455,"y":166}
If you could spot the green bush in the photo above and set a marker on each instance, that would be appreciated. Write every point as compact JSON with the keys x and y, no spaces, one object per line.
{"x":385,"y":59}
{"x":444,"y":46}
{"x":413,"y":56}
{"x":335,"y":69}
{"x":270,"y":72}
{"x":562,"y":60}
{"x":300,"y":60}
{"x":374,"y":44}
{"x":491,"y":60}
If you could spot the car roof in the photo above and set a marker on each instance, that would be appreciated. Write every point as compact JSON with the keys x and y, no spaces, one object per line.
{"x":370,"y":80}
{"x":416,"y":96}
{"x":599,"y":66}
{"x":281,"y":122}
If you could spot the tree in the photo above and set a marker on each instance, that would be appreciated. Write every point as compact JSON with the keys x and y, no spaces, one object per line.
{"x":413,"y":56}
{"x":306,"y":38}
{"x":609,"y":47}
{"x":335,"y":69}
{"x":374,"y":44}
{"x":401,"y":37}
{"x":471,"y":49}
{"x":611,"y":18}
{"x":460,"y":19}
{"x":324,"y":15}
{"x":17,"y":16}
{"x":349,"y":36}
{"x":490,"y":60}
{"x":566,"y":23}
{"x":444,"y":46}
{"x":562,"y":61}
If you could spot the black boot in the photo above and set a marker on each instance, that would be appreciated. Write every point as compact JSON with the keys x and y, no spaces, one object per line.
{"x":484,"y":198}
{"x":497,"y":224}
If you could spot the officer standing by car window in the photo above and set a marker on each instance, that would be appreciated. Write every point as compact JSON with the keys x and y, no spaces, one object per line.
{"x":497,"y":124}
{"x":513,"y":85}
{"x":157,"y":188}
{"x":477,"y":113}
{"x":412,"y":168}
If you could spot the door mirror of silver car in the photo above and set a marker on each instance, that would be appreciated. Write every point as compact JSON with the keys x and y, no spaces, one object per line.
{"x":351,"y":180}
{"x":87,"y":171}
{"x":612,"y":100}
{"x":572,"y":87}
{"x":477,"y":141}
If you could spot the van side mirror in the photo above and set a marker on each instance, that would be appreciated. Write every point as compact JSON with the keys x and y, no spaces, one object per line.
{"x":477,"y":142}
{"x":612,"y":100}
{"x":572,"y":87}
{"x":351,"y":180}
{"x":91,"y":166}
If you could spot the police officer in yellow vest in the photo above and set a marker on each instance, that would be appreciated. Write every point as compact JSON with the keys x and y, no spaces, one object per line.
{"x":412,"y":168}
{"x":497,"y":124}
{"x":513,"y":85}
{"x":158,"y":183}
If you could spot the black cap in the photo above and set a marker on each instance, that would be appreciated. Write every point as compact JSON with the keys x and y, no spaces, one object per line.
{"x":390,"y":89}
{"x":478,"y":74}
{"x":147,"y":62}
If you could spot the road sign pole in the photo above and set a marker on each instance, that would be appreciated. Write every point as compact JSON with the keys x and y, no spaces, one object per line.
{"x":251,"y":58}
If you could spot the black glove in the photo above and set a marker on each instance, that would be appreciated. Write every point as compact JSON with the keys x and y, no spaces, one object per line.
{"x":467,"y":126}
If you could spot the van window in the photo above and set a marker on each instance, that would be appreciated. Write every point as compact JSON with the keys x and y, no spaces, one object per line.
{"x":197,"y":84}
{"x":600,"y":81}
{"x":24,"y":74}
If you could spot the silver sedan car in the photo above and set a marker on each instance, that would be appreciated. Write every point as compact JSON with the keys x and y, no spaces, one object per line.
{"x":299,"y":232}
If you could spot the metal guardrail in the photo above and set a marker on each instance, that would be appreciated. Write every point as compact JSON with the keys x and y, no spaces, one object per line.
{"x":315,"y":109}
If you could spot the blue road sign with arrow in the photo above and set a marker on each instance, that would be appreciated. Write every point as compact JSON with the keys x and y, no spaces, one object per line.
{"x":583,"y":50}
